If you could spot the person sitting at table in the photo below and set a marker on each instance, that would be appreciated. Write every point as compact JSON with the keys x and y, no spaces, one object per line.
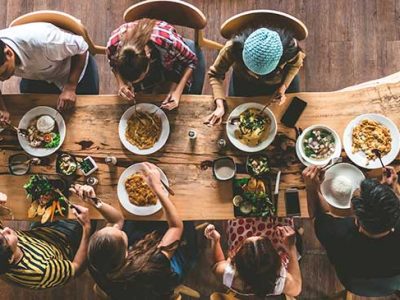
{"x":263,"y":263}
{"x":47,"y":255}
{"x":363,"y":248}
{"x":49,"y":60}
{"x":142,"y":260}
{"x":265,"y":61}
{"x":148,"y":54}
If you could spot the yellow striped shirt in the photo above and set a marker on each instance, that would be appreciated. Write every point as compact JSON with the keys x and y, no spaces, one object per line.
{"x":45,"y":262}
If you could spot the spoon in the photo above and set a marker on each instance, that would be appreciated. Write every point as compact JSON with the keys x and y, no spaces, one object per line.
{"x":379,"y":155}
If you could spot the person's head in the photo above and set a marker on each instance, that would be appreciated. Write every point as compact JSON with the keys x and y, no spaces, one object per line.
{"x":263,"y":49}
{"x":376,"y":207}
{"x":8,"y":247}
{"x":258,"y":264}
{"x":133,"y":60}
{"x":136,"y":270}
{"x":7,"y":61}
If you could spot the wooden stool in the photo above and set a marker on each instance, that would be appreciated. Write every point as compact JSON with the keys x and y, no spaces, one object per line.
{"x":175,"y":12}
{"x":273,"y":18}
{"x":63,"y":21}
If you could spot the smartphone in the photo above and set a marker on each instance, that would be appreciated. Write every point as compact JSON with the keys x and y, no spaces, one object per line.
{"x":292,"y":202}
{"x":293,"y":112}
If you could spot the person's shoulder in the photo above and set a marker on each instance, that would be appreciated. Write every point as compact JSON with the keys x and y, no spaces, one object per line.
{"x":327,"y":224}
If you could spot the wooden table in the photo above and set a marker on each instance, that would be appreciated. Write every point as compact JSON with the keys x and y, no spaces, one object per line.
{"x":93,"y":130}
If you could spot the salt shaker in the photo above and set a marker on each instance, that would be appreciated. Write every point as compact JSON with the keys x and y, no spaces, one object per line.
{"x":92,"y":181}
{"x":221,"y":144}
{"x":111,"y":160}
{"x":192,"y":134}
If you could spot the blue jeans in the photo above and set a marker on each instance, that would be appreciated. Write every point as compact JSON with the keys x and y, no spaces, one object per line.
{"x":200,"y":71}
{"x":89,"y":85}
{"x":240,"y":87}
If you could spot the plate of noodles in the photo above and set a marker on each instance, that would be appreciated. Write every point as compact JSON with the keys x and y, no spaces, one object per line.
{"x":368,"y":132}
{"x":144,"y":129}
{"x":251,"y":131}
{"x":135,"y":195}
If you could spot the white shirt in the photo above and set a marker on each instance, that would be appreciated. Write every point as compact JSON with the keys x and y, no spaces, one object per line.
{"x":45,"y":51}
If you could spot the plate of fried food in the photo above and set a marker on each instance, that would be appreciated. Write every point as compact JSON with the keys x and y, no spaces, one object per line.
{"x":46,"y":131}
{"x":249,"y":128}
{"x":135,"y":195}
{"x":144,"y":128}
{"x":368,"y":132}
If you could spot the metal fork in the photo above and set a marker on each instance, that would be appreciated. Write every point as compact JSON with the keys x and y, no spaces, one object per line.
{"x":333,"y":161}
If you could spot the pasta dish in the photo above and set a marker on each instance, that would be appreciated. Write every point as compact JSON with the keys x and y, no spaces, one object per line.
{"x":143,"y":130}
{"x":253,"y":127}
{"x":370,"y":135}
{"x":138,"y":191}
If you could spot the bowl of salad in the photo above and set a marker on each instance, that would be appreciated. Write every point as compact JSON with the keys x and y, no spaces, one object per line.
{"x":257,"y":165}
{"x":318,"y":144}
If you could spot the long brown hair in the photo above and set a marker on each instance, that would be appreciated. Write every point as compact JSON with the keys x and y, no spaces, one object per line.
{"x":258,"y":265}
{"x":132,"y":61}
{"x":135,"y":276}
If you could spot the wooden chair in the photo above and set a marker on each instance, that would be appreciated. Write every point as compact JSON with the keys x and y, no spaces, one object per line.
{"x":229,"y":295}
{"x":61,"y":20}
{"x":274,"y":18}
{"x":175,"y":12}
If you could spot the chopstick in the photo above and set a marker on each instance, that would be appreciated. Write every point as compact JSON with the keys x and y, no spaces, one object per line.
{"x":168,"y":188}
{"x":278,"y":179}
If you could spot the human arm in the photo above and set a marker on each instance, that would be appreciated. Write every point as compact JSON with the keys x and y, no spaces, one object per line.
{"x":391,"y":180}
{"x":313,"y":177}
{"x":125,"y":90}
{"x":293,"y":280}
{"x":175,"y":93}
{"x":175,"y":224}
{"x":219,"y":262}
{"x":113,"y":216}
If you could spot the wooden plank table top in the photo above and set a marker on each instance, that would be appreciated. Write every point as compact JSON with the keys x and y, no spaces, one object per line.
{"x":92,"y":129}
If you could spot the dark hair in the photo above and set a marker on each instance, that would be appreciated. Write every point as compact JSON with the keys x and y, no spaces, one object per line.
{"x":132,"y":61}
{"x":5,"y":255}
{"x":290,"y":45}
{"x":2,"y":54}
{"x":258,"y":265}
{"x":377,"y":208}
{"x":136,"y":276}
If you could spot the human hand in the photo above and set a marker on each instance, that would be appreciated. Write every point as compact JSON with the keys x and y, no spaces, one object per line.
{"x":171,"y":101}
{"x":288,"y":236}
{"x":215,"y":118}
{"x":211,"y":233}
{"x":313,"y":177}
{"x":127,"y":92}
{"x":85,"y":192}
{"x":82,"y":217}
{"x":4,"y":116}
{"x":152,"y":175}
{"x":67,"y":99}
{"x":279,"y":95}
{"x":3,"y":198}
{"x":389,"y":177}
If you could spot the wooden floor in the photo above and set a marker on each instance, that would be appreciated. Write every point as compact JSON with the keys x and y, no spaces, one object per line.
{"x":350,"y":41}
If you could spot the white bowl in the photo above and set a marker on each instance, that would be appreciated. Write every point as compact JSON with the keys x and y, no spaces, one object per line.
{"x":319,"y":162}
{"x":230,"y":128}
{"x":24,"y":124}
{"x":352,"y":173}
{"x":144,"y":107}
{"x":124,"y":198}
{"x":359,"y":158}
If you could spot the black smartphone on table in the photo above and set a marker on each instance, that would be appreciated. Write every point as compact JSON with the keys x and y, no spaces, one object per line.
{"x":293,"y":112}
{"x":292,"y":202}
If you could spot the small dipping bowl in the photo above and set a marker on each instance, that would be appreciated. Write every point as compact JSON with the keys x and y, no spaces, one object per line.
{"x":224,"y":168}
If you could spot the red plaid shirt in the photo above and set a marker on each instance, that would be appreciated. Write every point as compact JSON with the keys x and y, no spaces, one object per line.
{"x":175,"y":55}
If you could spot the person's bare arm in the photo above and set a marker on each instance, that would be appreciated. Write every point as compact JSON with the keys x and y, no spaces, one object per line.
{"x":125,"y":90}
{"x":219,"y":262}
{"x":313,"y":177}
{"x":174,"y":96}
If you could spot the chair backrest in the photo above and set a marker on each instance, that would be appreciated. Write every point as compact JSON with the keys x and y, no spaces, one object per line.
{"x":61,"y":20}
{"x":175,"y":12}
{"x":275,"y":18}
{"x":223,"y":296}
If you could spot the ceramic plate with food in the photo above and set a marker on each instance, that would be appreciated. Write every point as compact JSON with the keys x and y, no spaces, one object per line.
{"x":368,"y":132}
{"x":251,"y":130}
{"x":46,"y":131}
{"x":135,"y":195}
{"x":318,"y":144}
{"x":144,"y":129}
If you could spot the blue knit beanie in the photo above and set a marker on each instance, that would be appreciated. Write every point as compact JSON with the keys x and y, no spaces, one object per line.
{"x":262,"y":51}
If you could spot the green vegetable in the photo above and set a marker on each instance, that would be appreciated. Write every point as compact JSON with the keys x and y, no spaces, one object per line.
{"x":54,"y":142}
{"x":37,"y":186}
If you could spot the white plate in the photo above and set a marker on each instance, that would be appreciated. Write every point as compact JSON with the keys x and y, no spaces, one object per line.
{"x":307,"y":164}
{"x":230,"y":128}
{"x":300,"y":150}
{"x":349,"y":171}
{"x":24,"y":124}
{"x":144,"y":107}
{"x":124,"y":198}
{"x":359,"y":158}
